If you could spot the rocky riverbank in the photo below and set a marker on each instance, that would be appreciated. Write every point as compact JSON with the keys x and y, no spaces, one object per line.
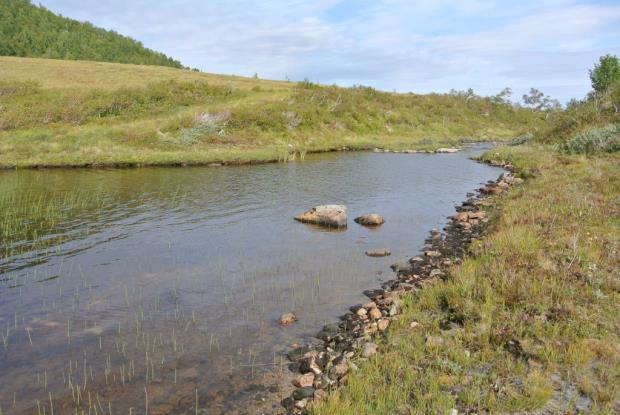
{"x":324,"y":367}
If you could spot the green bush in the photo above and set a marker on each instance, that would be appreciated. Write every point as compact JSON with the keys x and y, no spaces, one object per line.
{"x":594,"y":140}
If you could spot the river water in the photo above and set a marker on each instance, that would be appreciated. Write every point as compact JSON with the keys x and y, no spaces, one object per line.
{"x":162,"y":286}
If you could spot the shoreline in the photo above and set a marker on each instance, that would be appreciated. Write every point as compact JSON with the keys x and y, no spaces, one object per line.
{"x":322,"y":367}
{"x":238,"y":162}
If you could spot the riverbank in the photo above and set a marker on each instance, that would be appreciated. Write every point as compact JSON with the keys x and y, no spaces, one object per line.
{"x":326,"y":366}
{"x":91,"y":114}
{"x":526,"y":322}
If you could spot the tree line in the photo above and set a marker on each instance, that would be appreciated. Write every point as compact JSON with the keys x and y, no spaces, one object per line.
{"x":27,"y":30}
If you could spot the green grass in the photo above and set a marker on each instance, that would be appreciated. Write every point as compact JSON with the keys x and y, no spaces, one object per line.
{"x":73,"y":113}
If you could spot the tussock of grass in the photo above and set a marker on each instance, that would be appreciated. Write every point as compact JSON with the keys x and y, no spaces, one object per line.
{"x":59,"y":113}
{"x":537,"y":302}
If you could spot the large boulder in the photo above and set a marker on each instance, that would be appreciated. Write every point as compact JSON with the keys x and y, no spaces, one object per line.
{"x":333,"y":216}
{"x":372,"y":219}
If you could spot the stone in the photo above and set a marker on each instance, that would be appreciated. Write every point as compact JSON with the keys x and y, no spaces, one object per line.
{"x":303,"y":393}
{"x":374,"y":313}
{"x":370,"y":305}
{"x":301,"y":404}
{"x":447,"y":150}
{"x":402,"y":267}
{"x":377,"y":253}
{"x":332,"y":216}
{"x":287,"y":318}
{"x":393,"y":310}
{"x":372,"y":219}
{"x":481,"y":214}
{"x":304,"y":380}
{"x":361,"y":312}
{"x":461,"y":216}
{"x":432,"y":254}
{"x":297,"y":354}
{"x":339,"y":370}
{"x":382,"y":325}
{"x":436,"y":273}
{"x":414,"y":324}
{"x":310,"y":364}
{"x":369,"y":349}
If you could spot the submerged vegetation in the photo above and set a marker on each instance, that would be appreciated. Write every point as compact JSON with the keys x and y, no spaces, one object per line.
{"x":58,"y":113}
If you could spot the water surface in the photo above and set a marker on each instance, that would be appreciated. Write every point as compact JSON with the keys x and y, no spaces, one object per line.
{"x":163,"y":285}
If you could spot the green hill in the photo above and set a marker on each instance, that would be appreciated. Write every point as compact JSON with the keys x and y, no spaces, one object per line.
{"x":27,"y":30}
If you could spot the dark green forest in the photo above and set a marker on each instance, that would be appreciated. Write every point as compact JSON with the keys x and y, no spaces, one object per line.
{"x":33,"y":31}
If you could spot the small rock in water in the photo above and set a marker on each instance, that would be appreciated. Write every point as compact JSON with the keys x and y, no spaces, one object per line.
{"x":369,"y":349}
{"x":446,"y":150}
{"x":376,"y":253}
{"x":403,"y":267}
{"x":372,"y":219}
{"x":304,"y":380}
{"x":287,"y":318}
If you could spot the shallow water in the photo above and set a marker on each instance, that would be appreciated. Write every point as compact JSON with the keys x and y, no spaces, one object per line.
{"x":162,"y":286}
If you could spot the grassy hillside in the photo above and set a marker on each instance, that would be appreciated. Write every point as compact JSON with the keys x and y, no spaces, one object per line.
{"x":88,"y":113}
{"x":33,"y":31}
{"x":535,"y":304}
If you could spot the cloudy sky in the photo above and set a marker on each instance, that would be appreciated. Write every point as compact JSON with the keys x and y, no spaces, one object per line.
{"x":403,"y":45}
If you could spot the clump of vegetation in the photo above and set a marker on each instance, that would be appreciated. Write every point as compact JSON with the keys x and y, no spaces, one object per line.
{"x":605,"y":73}
{"x":33,"y":31}
{"x":593,"y":140}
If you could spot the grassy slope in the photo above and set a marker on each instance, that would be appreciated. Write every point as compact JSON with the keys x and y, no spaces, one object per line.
{"x":545,"y":277}
{"x":83,"y":113}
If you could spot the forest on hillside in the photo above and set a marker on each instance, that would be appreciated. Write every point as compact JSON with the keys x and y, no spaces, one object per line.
{"x":33,"y":31}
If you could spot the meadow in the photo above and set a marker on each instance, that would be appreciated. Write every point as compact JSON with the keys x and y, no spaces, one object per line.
{"x":78,"y":113}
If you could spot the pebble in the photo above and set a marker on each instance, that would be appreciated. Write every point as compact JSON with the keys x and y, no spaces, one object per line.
{"x":382,"y":325}
{"x":374,"y":313}
{"x":287,"y":318}
{"x":369,"y":350}
{"x":304,"y":380}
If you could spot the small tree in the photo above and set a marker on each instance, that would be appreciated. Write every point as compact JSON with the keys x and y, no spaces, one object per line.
{"x":503,"y":97}
{"x":605,"y":73}
{"x":538,"y":101}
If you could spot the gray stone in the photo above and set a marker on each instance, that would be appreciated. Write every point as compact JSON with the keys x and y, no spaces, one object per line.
{"x":372,"y":219}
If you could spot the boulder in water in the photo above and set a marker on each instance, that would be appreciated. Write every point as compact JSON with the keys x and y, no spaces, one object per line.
{"x":332,"y":216}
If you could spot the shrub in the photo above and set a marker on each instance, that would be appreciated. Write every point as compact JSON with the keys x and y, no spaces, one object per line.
{"x":594,"y":140}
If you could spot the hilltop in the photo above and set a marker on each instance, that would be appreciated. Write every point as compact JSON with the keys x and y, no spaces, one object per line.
{"x":78,"y":113}
{"x":33,"y":31}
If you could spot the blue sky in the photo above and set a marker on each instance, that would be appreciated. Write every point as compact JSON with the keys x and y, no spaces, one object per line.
{"x":404,"y":45}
